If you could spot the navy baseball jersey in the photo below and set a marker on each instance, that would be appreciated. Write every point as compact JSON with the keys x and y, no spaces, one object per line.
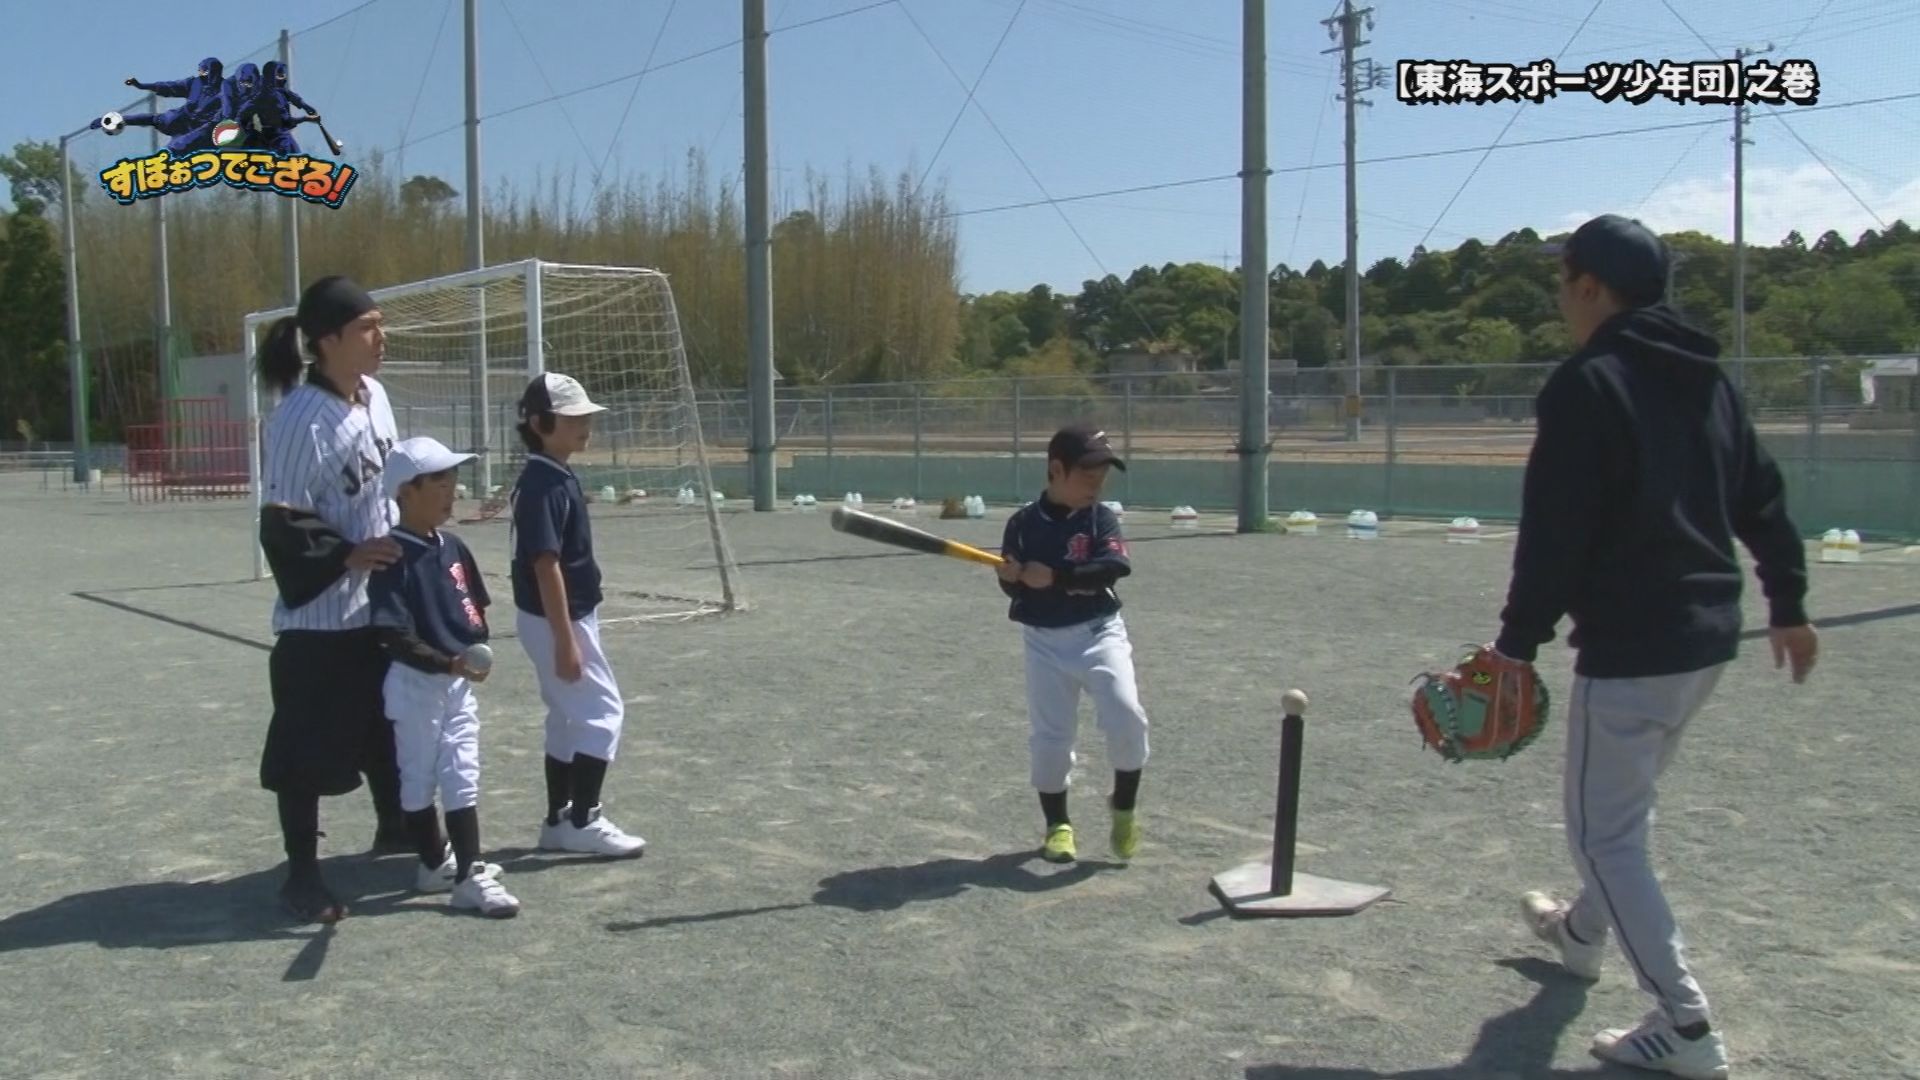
{"x":433,"y":597}
{"x":1086,"y":552}
{"x":550,"y":515}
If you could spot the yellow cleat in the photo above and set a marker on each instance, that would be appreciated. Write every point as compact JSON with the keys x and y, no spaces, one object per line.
{"x":1126,"y":834}
{"x":1059,"y":845}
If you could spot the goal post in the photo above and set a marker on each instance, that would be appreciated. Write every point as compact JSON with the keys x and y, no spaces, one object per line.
{"x":460,"y":351}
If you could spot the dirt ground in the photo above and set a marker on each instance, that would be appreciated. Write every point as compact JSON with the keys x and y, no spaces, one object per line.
{"x":843,"y":878}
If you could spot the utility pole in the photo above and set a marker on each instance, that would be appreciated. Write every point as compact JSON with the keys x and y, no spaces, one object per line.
{"x":1740,"y":142}
{"x":477,"y":258}
{"x":759,"y":256}
{"x":1255,"y":432}
{"x":76,"y":352}
{"x":162,"y":294}
{"x":1345,"y":28}
{"x":290,"y":221}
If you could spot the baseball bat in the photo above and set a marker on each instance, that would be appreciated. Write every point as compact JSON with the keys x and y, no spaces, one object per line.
{"x":333,"y":144}
{"x":867,"y":526}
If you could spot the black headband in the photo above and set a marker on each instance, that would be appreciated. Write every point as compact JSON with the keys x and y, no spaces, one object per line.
{"x":329,"y":304}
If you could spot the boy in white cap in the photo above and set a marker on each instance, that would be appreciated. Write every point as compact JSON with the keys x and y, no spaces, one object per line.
{"x":429,"y":609}
{"x":556,"y":591}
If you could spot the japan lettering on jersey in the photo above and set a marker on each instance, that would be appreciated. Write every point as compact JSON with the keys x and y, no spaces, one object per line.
{"x":326,"y":455}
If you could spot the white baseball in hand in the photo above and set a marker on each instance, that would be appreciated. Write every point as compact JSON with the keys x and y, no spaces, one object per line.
{"x":478,"y":659}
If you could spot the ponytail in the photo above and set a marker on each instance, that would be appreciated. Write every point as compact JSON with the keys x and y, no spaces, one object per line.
{"x":279,"y":361}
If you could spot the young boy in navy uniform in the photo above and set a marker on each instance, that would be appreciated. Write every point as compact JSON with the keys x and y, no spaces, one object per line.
{"x":429,"y":609}
{"x":1063,"y":553}
{"x":556,"y":591}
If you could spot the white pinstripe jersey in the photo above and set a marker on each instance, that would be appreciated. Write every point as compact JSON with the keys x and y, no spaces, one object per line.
{"x":325,"y":455}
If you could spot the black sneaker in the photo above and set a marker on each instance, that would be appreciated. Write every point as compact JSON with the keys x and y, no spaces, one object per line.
{"x":310,"y":901}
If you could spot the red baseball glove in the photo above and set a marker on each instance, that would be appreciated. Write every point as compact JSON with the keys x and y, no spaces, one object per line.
{"x":1487,"y":706}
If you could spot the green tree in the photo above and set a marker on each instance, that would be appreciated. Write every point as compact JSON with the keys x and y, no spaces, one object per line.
{"x":33,"y":177}
{"x":33,"y":370}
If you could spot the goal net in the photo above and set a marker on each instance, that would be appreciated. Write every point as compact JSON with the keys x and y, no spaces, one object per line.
{"x":460,"y":351}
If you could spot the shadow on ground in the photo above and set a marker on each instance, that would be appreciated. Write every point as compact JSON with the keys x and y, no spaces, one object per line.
{"x":1516,"y":1045}
{"x":184,"y":914}
{"x":887,"y":888}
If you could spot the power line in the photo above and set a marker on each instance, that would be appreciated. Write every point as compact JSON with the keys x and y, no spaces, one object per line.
{"x":1811,"y":19}
{"x":632,"y":97}
{"x":1420,"y":155}
{"x":354,"y":10}
{"x":426,"y":71}
{"x":1313,"y":151}
{"x":538,"y":67}
{"x":1048,"y":198}
{"x":1808,"y":147}
{"x":817,"y":20}
{"x":1169,"y":37}
{"x":1671,"y":169}
{"x":1005,"y":33}
{"x":642,"y":73}
{"x":1511,"y":120}
{"x":353,"y":33}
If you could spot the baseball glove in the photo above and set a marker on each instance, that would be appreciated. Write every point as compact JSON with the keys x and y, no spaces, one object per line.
{"x":1487,"y":706}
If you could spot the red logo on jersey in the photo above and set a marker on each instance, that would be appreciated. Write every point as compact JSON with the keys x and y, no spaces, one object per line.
{"x":474,"y":618}
{"x":459,"y":572}
{"x":1117,"y":546}
{"x":1077,"y":548}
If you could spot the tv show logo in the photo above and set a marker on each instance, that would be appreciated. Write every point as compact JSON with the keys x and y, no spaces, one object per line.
{"x":237,"y":130}
{"x":1701,"y":82}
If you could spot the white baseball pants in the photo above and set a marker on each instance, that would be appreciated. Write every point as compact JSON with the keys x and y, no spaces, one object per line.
{"x":583,"y":717}
{"x":436,"y":738}
{"x":1621,"y":735}
{"x":1096,"y":657}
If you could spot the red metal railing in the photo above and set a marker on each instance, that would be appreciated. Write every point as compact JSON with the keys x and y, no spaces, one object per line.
{"x":195,"y":452}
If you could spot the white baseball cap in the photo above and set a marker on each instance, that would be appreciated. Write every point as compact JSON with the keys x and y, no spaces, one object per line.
{"x":417,"y":457}
{"x":559,"y":394}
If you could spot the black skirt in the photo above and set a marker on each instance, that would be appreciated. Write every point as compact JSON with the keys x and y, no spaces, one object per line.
{"x":329,"y":722}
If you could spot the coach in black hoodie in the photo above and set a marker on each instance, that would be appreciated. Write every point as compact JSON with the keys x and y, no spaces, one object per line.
{"x":1644,"y":470}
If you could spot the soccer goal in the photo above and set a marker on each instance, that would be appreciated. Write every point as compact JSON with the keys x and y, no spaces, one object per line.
{"x":461,"y":349}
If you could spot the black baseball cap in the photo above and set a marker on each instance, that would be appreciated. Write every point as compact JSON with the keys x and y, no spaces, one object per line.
{"x":1622,"y":254}
{"x":1082,"y":446}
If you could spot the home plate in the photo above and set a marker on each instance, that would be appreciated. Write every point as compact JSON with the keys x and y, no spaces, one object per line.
{"x":1248,"y":890}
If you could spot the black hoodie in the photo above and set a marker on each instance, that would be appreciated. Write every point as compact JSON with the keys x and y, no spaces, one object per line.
{"x":1645,"y":468}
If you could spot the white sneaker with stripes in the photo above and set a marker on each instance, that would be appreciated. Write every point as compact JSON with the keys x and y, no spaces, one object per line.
{"x":1653,"y":1044}
{"x":1547,"y":918}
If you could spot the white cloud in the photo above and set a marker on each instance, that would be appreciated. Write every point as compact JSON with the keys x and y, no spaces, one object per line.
{"x":1778,"y":201}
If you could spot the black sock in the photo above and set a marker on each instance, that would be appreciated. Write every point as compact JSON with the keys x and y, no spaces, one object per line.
{"x":423,"y":827}
{"x":383,"y":783}
{"x":1054,"y":805}
{"x":463,"y":828}
{"x":559,"y":787}
{"x":588,"y":774}
{"x":300,"y":830}
{"x":1696,"y":1030}
{"x":1126,"y":789}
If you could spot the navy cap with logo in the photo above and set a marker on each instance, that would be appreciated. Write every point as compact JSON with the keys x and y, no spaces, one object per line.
{"x":1622,"y":254}
{"x":1082,"y":446}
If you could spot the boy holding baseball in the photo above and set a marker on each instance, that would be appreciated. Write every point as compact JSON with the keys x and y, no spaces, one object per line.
{"x":556,"y":591}
{"x":429,"y":609}
{"x":1063,"y":553}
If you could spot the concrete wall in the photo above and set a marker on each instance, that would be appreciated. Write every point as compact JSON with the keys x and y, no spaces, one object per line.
{"x":1879,"y":498}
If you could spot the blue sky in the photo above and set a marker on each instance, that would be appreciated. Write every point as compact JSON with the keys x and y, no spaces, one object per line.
{"x":1091,"y":95}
